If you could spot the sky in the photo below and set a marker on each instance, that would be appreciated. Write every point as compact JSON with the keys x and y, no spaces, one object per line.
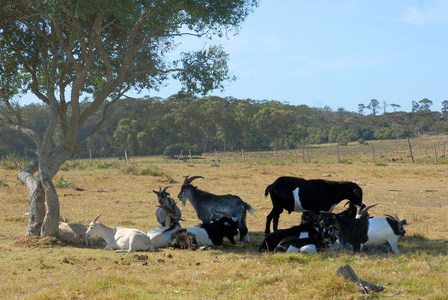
{"x":337,"y":53}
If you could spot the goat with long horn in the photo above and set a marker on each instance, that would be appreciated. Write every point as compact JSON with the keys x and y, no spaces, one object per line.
{"x":210,"y":207}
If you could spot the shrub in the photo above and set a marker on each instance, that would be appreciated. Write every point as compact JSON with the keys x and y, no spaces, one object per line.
{"x":12,"y":162}
{"x":62,"y":183}
{"x":102,"y":165}
{"x":152,"y":171}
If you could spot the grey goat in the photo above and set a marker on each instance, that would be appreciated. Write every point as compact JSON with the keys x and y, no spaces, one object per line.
{"x":206,"y":206}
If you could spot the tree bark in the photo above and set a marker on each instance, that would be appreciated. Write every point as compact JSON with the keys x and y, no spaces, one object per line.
{"x":50,"y":225}
{"x":36,"y":203}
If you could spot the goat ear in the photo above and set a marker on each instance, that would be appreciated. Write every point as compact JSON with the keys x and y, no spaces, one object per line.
{"x":155,"y":192}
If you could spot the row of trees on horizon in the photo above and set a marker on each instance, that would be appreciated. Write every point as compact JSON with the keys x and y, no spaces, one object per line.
{"x":376,"y":106}
{"x":153,"y":126}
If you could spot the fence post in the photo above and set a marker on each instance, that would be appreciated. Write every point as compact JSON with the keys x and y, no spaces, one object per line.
{"x":216,"y":154}
{"x":303,"y":153}
{"x":308,"y":152}
{"x":444,"y":157}
{"x":337,"y":149}
{"x":191,"y":159}
{"x":410,"y":150}
{"x":90,"y":151}
{"x":435,"y":154}
{"x":275,"y":153}
{"x":373,"y":153}
{"x":181,"y":151}
{"x":244,"y":158}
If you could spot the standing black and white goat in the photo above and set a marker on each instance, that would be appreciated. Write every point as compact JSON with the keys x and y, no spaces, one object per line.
{"x":369,"y":232}
{"x":168,"y":208}
{"x":299,"y":195}
{"x":206,"y":206}
{"x":209,"y":234}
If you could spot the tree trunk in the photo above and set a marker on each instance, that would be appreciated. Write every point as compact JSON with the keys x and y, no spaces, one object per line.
{"x":36,"y":203}
{"x":50,"y":226}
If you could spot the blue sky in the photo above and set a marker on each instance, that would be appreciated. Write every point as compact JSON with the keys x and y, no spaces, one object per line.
{"x":338,"y":53}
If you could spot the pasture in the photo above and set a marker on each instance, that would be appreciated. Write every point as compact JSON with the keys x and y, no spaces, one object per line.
{"x":50,"y":269}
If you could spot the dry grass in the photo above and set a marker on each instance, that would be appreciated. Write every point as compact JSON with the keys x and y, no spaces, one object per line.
{"x":48,"y":269}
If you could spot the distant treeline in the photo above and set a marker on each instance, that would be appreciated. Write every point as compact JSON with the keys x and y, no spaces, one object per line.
{"x":153,"y":126}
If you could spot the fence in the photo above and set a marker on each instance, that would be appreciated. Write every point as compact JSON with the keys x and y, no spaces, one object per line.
{"x":412,"y":151}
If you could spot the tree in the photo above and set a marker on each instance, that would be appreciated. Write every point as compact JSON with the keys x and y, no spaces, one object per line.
{"x":361,"y":108}
{"x":445,"y":107}
{"x":425,"y":104}
{"x":385,"y":105}
{"x":395,"y":107}
{"x":373,"y":106}
{"x":415,"y":106}
{"x":68,"y":51}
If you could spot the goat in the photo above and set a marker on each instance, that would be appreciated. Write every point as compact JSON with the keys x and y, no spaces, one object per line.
{"x":299,"y":195}
{"x":182,"y":239}
{"x":120,"y":239}
{"x":73,"y":232}
{"x":334,"y":237}
{"x":160,"y":236}
{"x":168,"y":208}
{"x":369,"y":232}
{"x":295,"y":244}
{"x":206,"y":206}
{"x":208,"y":234}
{"x":305,"y":234}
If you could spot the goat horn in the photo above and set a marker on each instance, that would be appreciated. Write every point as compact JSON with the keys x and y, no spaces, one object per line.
{"x":234,"y":219}
{"x":164,"y":190}
{"x":94,"y":220}
{"x":332,"y":207}
{"x":346,"y":203}
{"x":393,"y":218}
{"x":365,"y":209}
{"x":189,"y":180}
{"x":223,"y":212}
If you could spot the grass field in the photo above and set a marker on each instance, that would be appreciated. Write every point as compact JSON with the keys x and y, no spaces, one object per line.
{"x":49,"y":269}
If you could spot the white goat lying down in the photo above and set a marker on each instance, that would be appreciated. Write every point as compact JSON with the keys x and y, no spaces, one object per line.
{"x":120,"y":239}
{"x":73,"y":232}
{"x":160,"y":236}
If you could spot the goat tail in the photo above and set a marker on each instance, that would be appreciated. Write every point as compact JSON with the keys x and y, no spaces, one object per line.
{"x":249,"y":208}
{"x":268,"y":190}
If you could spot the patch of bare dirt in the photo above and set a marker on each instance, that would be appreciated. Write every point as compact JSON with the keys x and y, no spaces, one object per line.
{"x":37,"y":242}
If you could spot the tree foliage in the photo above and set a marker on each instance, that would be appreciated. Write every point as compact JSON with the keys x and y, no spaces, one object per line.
{"x":149,"y":126}
{"x":65,"y":52}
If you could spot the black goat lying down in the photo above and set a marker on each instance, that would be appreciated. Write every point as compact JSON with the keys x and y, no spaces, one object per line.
{"x":308,"y":233}
{"x":299,"y":195}
{"x":210,"y":234}
{"x":298,"y":236}
{"x":295,"y":244}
